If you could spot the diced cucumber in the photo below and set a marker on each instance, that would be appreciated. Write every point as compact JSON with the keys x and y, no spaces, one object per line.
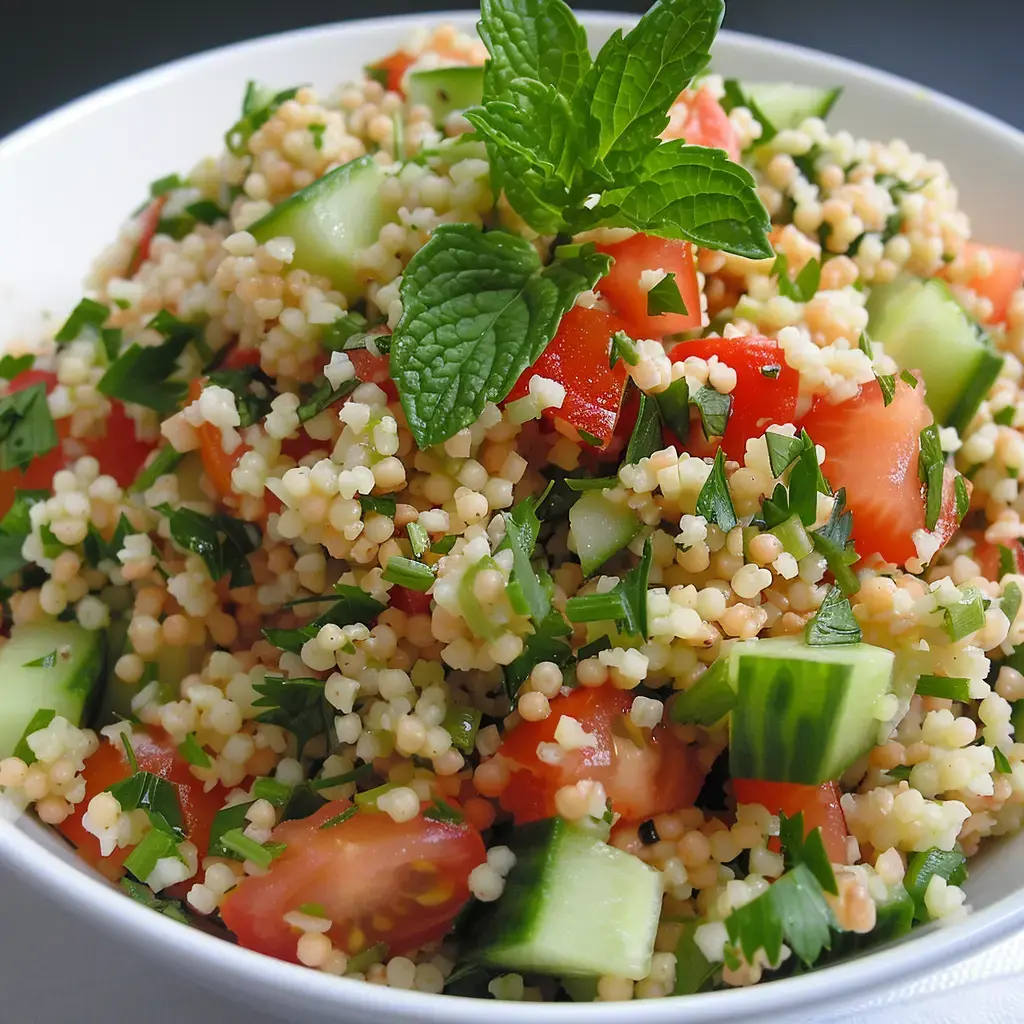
{"x":601,"y":528}
{"x":572,"y":906}
{"x":330,"y":221}
{"x":924,"y":328}
{"x":64,"y":687}
{"x":446,"y":90}
{"x":804,"y":714}
{"x":788,"y":105}
{"x":894,"y":917}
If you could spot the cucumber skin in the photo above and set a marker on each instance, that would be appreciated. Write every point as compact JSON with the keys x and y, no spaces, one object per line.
{"x":804,"y":102}
{"x":894,"y":919}
{"x":71,"y":698}
{"x":600,"y":529}
{"x":446,"y":90}
{"x":831,"y":704}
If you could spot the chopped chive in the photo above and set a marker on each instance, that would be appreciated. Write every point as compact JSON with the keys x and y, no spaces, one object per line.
{"x":418,"y":538}
{"x":409,"y":574}
{"x":369,"y":797}
{"x":249,"y":849}
{"x":376,"y":954}
{"x":597,"y":483}
{"x":946,"y":687}
{"x":966,"y":616}
{"x":384,"y":506}
{"x":794,"y":537}
{"x":444,"y":545}
{"x":441,"y":811}
{"x":274,"y":792}
{"x":191,"y":750}
{"x":595,"y":607}
{"x":165,"y":462}
{"x":339,"y":819}
{"x":357,"y":773}
{"x":623,"y":347}
{"x":155,"y":846}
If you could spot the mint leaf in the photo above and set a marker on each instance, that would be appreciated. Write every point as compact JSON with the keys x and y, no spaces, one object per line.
{"x":478,"y":310}
{"x":698,"y":195}
{"x":636,"y":79}
{"x":538,"y":39}
{"x":646,"y":438}
{"x":522,"y":528}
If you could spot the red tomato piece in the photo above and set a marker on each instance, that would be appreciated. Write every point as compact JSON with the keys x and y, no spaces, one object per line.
{"x":374,"y":370}
{"x":394,"y":67}
{"x":156,"y":754}
{"x":988,"y":555}
{"x":578,"y":359}
{"x":239,"y":358}
{"x":217,"y":463}
{"x":662,"y":775}
{"x":119,"y":452}
{"x":1006,"y":277}
{"x":701,"y":120}
{"x":872,"y":450}
{"x":819,"y":804}
{"x":149,"y":220}
{"x":757,"y":400}
{"x":412,"y":602}
{"x":622,"y":285}
{"x":377,"y":880}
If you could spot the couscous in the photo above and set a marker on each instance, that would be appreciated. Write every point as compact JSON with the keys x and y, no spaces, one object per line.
{"x":528,"y":526}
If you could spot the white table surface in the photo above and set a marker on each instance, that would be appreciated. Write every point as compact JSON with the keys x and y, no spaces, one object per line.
{"x":55,"y":969}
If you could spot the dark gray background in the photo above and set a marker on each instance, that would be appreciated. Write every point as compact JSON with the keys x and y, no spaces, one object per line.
{"x":53,"y":52}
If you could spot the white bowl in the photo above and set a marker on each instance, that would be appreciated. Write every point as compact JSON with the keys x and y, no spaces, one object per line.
{"x":68,"y":180}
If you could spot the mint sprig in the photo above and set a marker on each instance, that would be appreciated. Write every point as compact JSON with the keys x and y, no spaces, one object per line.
{"x":478,"y":309}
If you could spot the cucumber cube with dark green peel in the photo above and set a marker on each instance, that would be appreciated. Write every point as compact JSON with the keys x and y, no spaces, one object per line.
{"x":923,"y":327}
{"x":446,"y":90}
{"x":331,"y":221}
{"x":600,"y":529}
{"x":573,"y":906}
{"x":804,"y":714}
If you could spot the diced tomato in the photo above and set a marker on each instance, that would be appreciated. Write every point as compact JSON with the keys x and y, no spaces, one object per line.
{"x":872,"y":450}
{"x":394,"y":66}
{"x":623,"y":290}
{"x":412,"y":602}
{"x":149,"y":220}
{"x":217,"y":463}
{"x":1006,"y":277}
{"x":643,"y":772}
{"x":578,"y":358}
{"x":374,"y":370}
{"x":377,"y":880}
{"x":700,"y":119}
{"x":156,"y":754}
{"x":988,"y":555}
{"x":819,"y":804}
{"x":119,"y":452}
{"x":758,"y":399}
{"x":239,"y":358}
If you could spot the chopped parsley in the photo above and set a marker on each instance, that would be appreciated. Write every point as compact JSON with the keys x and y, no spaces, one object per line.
{"x":714,"y":409}
{"x":223,"y":543}
{"x":931,"y":468}
{"x":966,"y":616}
{"x":808,"y":849}
{"x":646,"y":438}
{"x":40,"y":720}
{"x":339,"y":819}
{"x":87,"y":318}
{"x":11,"y":366}
{"x":665,"y":297}
{"x":834,"y":622}
{"x":714,"y":502}
{"x":252,"y":388}
{"x":622,"y":347}
{"x":297,"y":705}
{"x":804,"y":286}
{"x":26,"y":427}
{"x":46,"y":661}
{"x":192,"y":751}
{"x":439,"y":810}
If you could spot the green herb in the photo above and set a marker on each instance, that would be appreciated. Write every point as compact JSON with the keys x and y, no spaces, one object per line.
{"x":693,"y":969}
{"x":40,"y":720}
{"x":665,"y":297}
{"x":357,"y":774}
{"x":419,"y":539}
{"x":46,"y":661}
{"x":546,"y":644}
{"x":86,"y":318}
{"x":11,"y":366}
{"x":908,"y":378}
{"x":155,"y":846}
{"x":833,"y":541}
{"x":522,"y":528}
{"x":709,"y":700}
{"x":462,"y":724}
{"x":674,"y":406}
{"x":205,"y":212}
{"x":834,"y":622}
{"x":1011,"y":601}
{"x":251,"y":389}
{"x":367,"y":958}
{"x":887,"y":385}
{"x":156,"y":796}
{"x":382,"y":506}
{"x":274,"y":792}
{"x":901,"y":773}
{"x":51,"y":546}
{"x":783,"y":451}
{"x":97,"y":549}
{"x":804,"y":286}
{"x":963,"y":497}
{"x":646,"y":438}
{"x":26,"y":427}
{"x":946,"y":687}
{"x":948,"y":864}
{"x":317,"y":131}
{"x":294,"y":704}
{"x":966,"y":616}
{"x":634,"y":593}
{"x":176,"y":227}
{"x":806,"y":483}
{"x":349,"y":325}
{"x":808,"y":849}
{"x":192,"y":751}
{"x":931,"y":468}
{"x":441,"y":811}
{"x":227,"y":819}
{"x":771,"y":371}
{"x":222,"y":542}
{"x":623,"y":347}
{"x":165,"y":462}
{"x":173,"y":909}
{"x":1003,"y":766}
{"x":864,"y":344}
{"x":339,"y":819}
{"x":1007,"y":560}
{"x":594,"y":648}
{"x":595,"y":607}
{"x":714,"y":502}
{"x":261,"y":854}
{"x":258,"y":106}
{"x":444,"y":545}
{"x":714,"y":410}
{"x":599,"y":483}
{"x":404,"y":572}
{"x":478,"y":309}
{"x":324,"y":397}
{"x":168,"y":183}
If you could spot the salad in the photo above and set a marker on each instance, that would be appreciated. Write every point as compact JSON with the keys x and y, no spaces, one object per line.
{"x":528,"y":525}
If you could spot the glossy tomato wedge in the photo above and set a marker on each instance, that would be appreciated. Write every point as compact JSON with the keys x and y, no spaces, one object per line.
{"x":642,"y":774}
{"x":872,"y":450}
{"x":412,"y":602}
{"x":120,"y":453}
{"x":819,"y":805}
{"x":701,"y":120}
{"x":1006,"y":277}
{"x":377,"y":880}
{"x":988,"y":556}
{"x":578,"y":358}
{"x":156,"y":754}
{"x":623,"y":290}
{"x":374,"y":370}
{"x":765,"y":393}
{"x":392,"y":69}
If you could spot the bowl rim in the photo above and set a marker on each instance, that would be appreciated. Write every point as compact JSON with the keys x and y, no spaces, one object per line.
{"x":90,"y":896}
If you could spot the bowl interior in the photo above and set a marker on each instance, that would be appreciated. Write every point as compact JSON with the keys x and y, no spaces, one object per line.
{"x":67,"y":182}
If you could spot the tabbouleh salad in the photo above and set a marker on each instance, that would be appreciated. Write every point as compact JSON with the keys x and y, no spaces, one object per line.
{"x":528,"y":525}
